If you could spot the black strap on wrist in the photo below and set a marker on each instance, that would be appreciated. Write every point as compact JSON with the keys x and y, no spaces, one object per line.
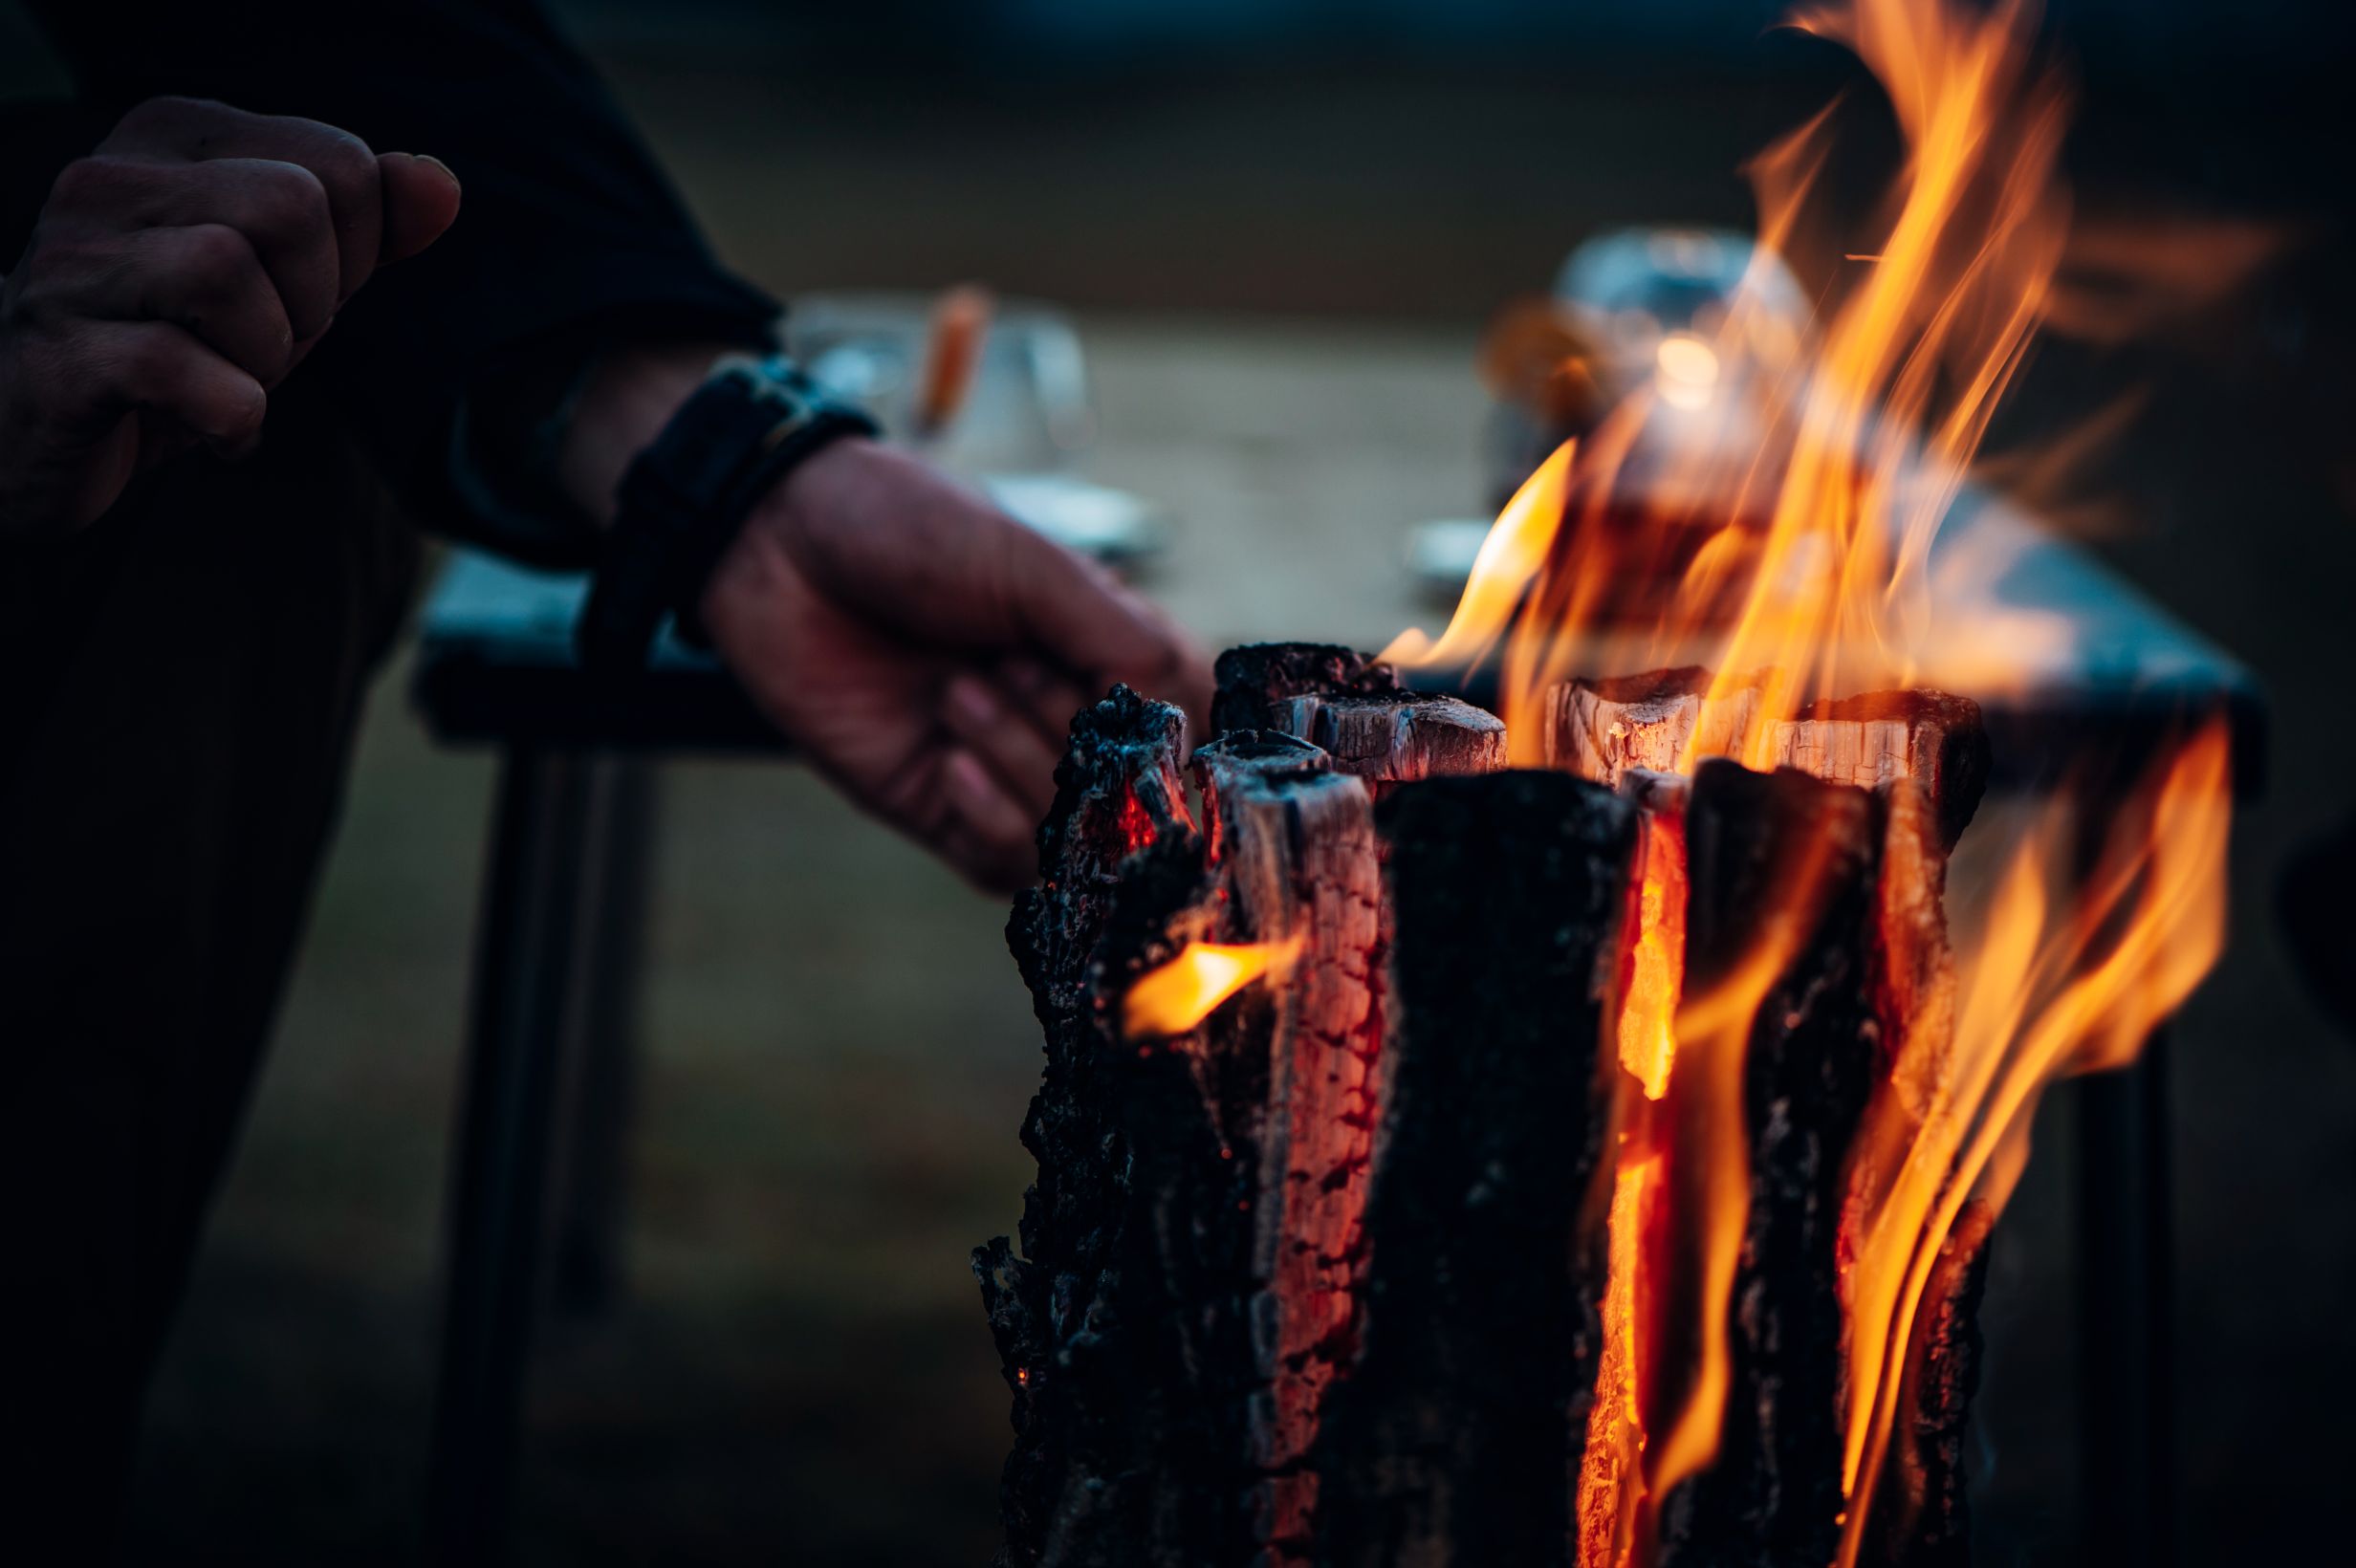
{"x":683,"y":498}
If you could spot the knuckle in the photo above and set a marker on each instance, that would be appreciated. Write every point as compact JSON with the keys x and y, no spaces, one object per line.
{"x":87,"y":183}
{"x":288,"y":201}
{"x":146,"y":358}
{"x":162,"y":114}
{"x":216,"y":255}
{"x":345,"y":165}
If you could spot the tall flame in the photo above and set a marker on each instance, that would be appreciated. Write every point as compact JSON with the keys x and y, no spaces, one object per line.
{"x":2055,"y":985}
{"x":1797,"y":515}
{"x":1764,"y":507}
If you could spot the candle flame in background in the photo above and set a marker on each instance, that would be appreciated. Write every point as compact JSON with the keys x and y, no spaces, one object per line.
{"x":1174,"y":997}
{"x":1790,"y":485}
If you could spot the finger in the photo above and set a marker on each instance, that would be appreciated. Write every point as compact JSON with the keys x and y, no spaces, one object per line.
{"x":1046,"y":697}
{"x":421,"y":202}
{"x":989,"y":836}
{"x":204,"y":279}
{"x":198,"y":130}
{"x":1070,"y":609}
{"x":1005,"y":739}
{"x":280,"y":207}
{"x":1190,"y":681}
{"x":164,"y":370}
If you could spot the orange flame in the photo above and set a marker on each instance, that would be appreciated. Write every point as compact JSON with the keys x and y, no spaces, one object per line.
{"x":1764,"y":507}
{"x":1174,"y":997}
{"x":1797,"y":528}
{"x":2056,"y":988}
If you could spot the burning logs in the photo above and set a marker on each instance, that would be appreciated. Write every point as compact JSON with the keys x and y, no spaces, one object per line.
{"x":1448,"y":1443}
{"x":1448,"y":1165}
{"x":1778,"y":936}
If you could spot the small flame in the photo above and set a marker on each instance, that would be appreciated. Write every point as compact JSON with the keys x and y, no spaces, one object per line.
{"x":1656,"y":959}
{"x":1181,"y":993}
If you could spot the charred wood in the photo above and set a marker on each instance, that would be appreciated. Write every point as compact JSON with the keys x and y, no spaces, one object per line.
{"x":1053,"y":1309}
{"x":1456,"y":1438}
{"x":1782,"y":870}
{"x":1277,"y":685}
{"x":1920,"y":1517}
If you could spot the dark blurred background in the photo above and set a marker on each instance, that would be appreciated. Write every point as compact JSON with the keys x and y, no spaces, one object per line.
{"x":1283,"y":224}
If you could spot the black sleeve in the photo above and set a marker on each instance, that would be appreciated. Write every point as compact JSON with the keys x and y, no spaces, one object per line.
{"x":569,"y":234}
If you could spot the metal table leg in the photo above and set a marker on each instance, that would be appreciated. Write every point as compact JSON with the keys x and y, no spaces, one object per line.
{"x":590,"y":1166}
{"x":2126,"y":1304}
{"x":551,"y":850}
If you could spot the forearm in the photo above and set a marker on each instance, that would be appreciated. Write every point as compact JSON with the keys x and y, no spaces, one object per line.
{"x":631,"y":394}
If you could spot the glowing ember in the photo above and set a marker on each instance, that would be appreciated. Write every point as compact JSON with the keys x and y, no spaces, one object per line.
{"x":1181,"y":993}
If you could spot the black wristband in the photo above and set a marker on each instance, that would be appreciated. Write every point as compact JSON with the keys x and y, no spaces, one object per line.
{"x":683,"y":498}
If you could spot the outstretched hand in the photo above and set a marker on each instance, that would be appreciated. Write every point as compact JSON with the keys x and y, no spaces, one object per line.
{"x":174,"y":277}
{"x":928,"y":652}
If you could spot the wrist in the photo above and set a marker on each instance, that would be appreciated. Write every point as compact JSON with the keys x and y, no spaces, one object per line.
{"x":630,"y":396}
{"x":686,"y":499}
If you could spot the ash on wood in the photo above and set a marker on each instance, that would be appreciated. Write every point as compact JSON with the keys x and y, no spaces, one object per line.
{"x":1458,"y":1436}
{"x":1397,"y":737}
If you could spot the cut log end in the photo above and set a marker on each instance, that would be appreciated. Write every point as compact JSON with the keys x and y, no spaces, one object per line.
{"x":1261,"y":686}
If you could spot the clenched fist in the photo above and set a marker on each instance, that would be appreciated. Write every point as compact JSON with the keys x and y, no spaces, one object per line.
{"x":175,"y":276}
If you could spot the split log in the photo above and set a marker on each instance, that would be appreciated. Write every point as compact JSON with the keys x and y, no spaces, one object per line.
{"x":1393,"y":738}
{"x":1781,"y":871}
{"x":1277,"y":685}
{"x":1457,"y":1437}
{"x":1315,"y":1282}
{"x":1053,"y":1310}
{"x":1870,"y":739}
{"x":1918,"y":1513}
{"x":1354,"y":708}
{"x":1600,"y":729}
{"x":1300,"y":868}
{"x":1920,"y":1517}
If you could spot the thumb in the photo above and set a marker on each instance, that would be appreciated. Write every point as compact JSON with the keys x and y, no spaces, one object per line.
{"x":420,"y":201}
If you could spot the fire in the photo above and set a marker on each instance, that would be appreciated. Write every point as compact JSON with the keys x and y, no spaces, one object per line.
{"x":2059,"y":986}
{"x":1797,"y":515}
{"x":1763,"y":505}
{"x":1181,"y":993}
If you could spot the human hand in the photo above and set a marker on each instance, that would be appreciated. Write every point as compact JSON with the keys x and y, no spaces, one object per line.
{"x":928,"y":652}
{"x":175,"y":276}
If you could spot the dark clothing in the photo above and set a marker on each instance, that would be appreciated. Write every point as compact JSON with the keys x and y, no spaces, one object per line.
{"x":568,"y":230}
{"x":180,"y":685}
